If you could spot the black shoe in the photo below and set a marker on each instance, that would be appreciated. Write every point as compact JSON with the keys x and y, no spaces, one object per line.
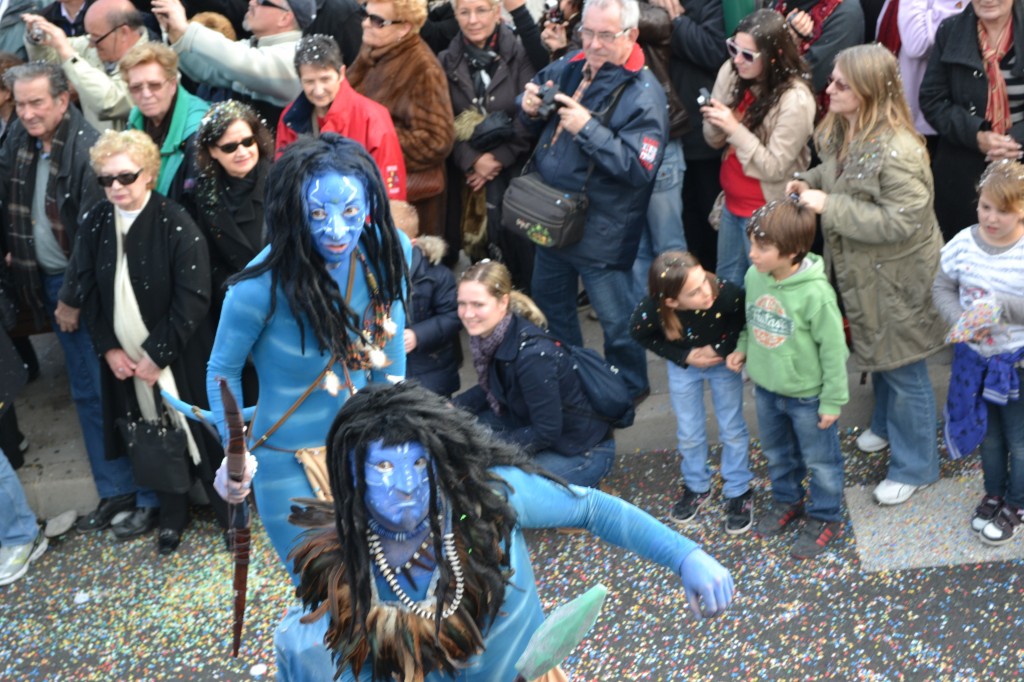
{"x":685,"y":510}
{"x":778,"y":517}
{"x":142,"y":520}
{"x":101,"y":517}
{"x":167,"y":541}
{"x":739,"y":513}
{"x":815,"y":537}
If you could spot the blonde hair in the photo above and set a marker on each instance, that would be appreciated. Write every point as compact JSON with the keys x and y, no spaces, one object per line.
{"x":1003,"y":182}
{"x":496,"y":278}
{"x":149,"y":53}
{"x":135,"y":144}
{"x":218,"y":22}
{"x":412,"y":12}
{"x":873,"y":74}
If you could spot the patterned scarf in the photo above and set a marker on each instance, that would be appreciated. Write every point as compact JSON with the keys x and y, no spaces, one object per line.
{"x":997,"y":110}
{"x":483,"y":349}
{"x":588,"y":78}
{"x":482,"y":63}
{"x":24,"y":265}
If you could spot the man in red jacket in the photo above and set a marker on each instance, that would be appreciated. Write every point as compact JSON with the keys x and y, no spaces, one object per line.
{"x":329,"y":104}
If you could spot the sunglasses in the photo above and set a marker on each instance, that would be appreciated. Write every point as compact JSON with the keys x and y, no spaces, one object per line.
{"x":124,"y":178}
{"x":96,"y":41}
{"x":841,"y":86}
{"x":378,"y":21}
{"x":735,"y":50}
{"x":267,"y":3}
{"x":230,"y":147}
{"x":153,"y":87}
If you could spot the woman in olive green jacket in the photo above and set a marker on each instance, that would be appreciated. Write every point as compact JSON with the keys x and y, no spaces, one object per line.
{"x":875,"y":195}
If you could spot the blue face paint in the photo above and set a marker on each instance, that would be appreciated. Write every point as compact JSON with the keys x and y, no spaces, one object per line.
{"x":397,"y":484}
{"x":337,"y":214}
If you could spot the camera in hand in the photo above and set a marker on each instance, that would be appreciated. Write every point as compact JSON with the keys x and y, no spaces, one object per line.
{"x":552,"y":13}
{"x":703,"y":97}
{"x":548,"y":105}
{"x":37,"y":35}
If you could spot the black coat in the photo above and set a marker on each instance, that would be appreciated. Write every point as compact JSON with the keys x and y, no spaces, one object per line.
{"x":698,"y":52}
{"x":534,"y":381}
{"x":170,"y":275}
{"x":435,"y":320}
{"x":341,"y":20}
{"x":953,"y":99}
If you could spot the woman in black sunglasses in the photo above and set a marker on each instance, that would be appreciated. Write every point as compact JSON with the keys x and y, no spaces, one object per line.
{"x":144,"y":276}
{"x":233,"y":153}
{"x":762,"y":113}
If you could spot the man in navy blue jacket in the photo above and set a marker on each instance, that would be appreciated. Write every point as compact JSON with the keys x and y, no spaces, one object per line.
{"x":626,"y":147}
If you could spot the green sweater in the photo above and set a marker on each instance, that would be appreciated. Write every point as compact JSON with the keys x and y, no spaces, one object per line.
{"x":794,"y":338}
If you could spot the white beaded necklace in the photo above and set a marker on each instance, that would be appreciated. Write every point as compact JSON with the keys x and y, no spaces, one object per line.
{"x":448,"y":551}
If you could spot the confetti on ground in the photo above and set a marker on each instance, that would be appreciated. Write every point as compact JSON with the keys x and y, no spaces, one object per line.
{"x":832,"y":618}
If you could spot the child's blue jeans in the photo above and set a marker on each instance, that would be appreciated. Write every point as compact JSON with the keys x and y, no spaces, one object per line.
{"x":1002,"y":451}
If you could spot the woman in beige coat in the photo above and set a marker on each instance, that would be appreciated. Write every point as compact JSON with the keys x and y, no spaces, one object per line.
{"x":875,"y":196}
{"x":762,"y":112}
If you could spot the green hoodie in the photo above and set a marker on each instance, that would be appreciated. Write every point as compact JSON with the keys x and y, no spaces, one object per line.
{"x":794,"y":338}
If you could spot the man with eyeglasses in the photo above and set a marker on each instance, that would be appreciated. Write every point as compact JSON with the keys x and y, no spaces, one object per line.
{"x":90,"y":61}
{"x":624,"y":147}
{"x":259,"y":70}
{"x":46,"y":186}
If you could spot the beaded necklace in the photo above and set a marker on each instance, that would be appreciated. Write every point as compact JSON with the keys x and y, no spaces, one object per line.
{"x":448,"y":551}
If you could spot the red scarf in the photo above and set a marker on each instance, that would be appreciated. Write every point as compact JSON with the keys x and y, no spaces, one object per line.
{"x":889,"y":30}
{"x":997,"y":110}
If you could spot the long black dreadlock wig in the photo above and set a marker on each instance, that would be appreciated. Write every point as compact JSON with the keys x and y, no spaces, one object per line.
{"x":334,"y":564}
{"x":298,"y":267}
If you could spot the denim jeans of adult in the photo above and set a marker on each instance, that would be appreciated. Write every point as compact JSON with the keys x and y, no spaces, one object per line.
{"x":586,"y":469}
{"x":611,"y":293}
{"x":112,"y":476}
{"x":18,"y":524}
{"x":1002,"y":450}
{"x":794,"y":445}
{"x":686,"y":390}
{"x":733,"y":248}
{"x":904,"y":415}
{"x":663,"y":230}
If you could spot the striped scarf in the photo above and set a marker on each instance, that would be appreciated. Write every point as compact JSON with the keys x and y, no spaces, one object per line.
{"x":997,"y":110}
{"x":24,"y":265}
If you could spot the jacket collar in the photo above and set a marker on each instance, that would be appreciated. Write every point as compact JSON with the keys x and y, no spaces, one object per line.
{"x":299,"y":117}
{"x":634,"y":62}
{"x":962,"y":48}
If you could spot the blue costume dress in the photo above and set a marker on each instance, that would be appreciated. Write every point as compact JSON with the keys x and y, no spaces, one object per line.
{"x":539,"y":503}
{"x":285,"y":371}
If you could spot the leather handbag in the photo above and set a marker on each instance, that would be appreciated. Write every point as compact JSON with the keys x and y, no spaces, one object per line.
{"x":158,"y":450}
{"x":424,"y":184}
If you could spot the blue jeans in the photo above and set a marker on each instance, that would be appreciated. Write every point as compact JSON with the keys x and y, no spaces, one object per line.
{"x":585,"y":470}
{"x":18,"y":524}
{"x":112,"y":476}
{"x":733,"y":248}
{"x":904,"y":415}
{"x":611,"y":293}
{"x":663,"y":230}
{"x":686,"y":389}
{"x":1002,"y":451}
{"x":793,"y":445}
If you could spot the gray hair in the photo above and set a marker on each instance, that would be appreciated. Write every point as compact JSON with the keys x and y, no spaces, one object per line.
{"x":34,"y":70}
{"x":629,"y":10}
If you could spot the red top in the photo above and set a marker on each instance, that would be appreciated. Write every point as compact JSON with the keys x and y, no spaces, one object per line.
{"x":743,"y":193}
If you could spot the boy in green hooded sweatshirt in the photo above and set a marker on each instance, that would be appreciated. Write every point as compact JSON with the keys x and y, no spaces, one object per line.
{"x":795,"y":353}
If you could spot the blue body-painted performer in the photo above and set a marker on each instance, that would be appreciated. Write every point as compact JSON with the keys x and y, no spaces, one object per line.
{"x":320,"y":311}
{"x":415,"y":479}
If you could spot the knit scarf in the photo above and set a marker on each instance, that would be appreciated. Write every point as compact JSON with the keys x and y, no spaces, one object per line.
{"x":997,"y":110}
{"x":888,"y":28}
{"x":481,"y":63}
{"x":483,"y":349}
{"x":24,"y":265}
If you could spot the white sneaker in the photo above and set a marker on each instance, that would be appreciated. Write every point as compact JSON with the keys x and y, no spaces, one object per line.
{"x":60,"y":524}
{"x":869,"y":441}
{"x":14,"y":560}
{"x":889,"y":493}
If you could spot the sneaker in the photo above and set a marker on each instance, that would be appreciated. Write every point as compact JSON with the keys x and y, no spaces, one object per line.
{"x":889,"y":492}
{"x":778,"y":517}
{"x":1004,"y":526}
{"x":60,"y":524}
{"x":688,"y":505}
{"x":869,"y":441}
{"x":14,"y":560}
{"x":986,"y":511}
{"x":739,"y":513}
{"x":814,"y":537}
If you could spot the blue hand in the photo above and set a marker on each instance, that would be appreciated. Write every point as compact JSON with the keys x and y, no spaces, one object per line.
{"x":704,"y":579}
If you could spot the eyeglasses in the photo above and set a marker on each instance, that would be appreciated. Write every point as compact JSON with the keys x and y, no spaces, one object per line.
{"x":124,"y":178}
{"x":841,"y":86}
{"x":152,"y":86}
{"x":96,"y":41}
{"x":735,"y":50}
{"x":378,"y":21}
{"x":267,"y":3}
{"x":230,"y":147}
{"x":587,"y":35}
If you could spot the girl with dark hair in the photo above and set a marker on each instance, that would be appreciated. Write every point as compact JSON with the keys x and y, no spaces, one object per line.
{"x":762,"y":112}
{"x":693,"y":320}
{"x":420,"y":571}
{"x":320,"y":311}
